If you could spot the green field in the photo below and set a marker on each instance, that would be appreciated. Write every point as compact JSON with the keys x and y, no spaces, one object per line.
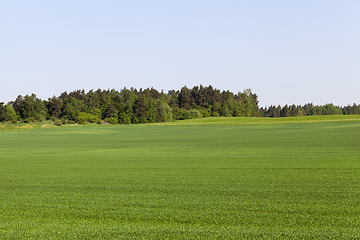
{"x":228,"y":179}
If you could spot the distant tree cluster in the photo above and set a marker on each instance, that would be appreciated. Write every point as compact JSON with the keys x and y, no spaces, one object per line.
{"x":309,"y":110}
{"x":131,"y":106}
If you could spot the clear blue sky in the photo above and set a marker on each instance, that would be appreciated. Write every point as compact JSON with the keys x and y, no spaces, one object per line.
{"x":285,"y":51}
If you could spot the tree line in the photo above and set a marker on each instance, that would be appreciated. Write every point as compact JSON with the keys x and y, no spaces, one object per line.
{"x":309,"y":109}
{"x":149,"y":105}
{"x":131,"y":106}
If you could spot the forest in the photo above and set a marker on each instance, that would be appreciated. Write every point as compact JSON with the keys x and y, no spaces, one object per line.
{"x":149,"y":105}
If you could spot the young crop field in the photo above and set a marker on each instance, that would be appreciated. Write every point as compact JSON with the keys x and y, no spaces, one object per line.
{"x":229,"y":179}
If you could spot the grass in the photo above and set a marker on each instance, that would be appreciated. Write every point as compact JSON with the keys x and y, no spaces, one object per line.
{"x":33,"y":125}
{"x":259,"y":181}
{"x":260,"y":120}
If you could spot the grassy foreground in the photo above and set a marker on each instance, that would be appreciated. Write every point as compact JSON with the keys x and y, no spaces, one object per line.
{"x":270,"y":181}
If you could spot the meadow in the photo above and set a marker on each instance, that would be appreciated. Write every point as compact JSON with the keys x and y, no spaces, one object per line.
{"x":230,"y":178}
